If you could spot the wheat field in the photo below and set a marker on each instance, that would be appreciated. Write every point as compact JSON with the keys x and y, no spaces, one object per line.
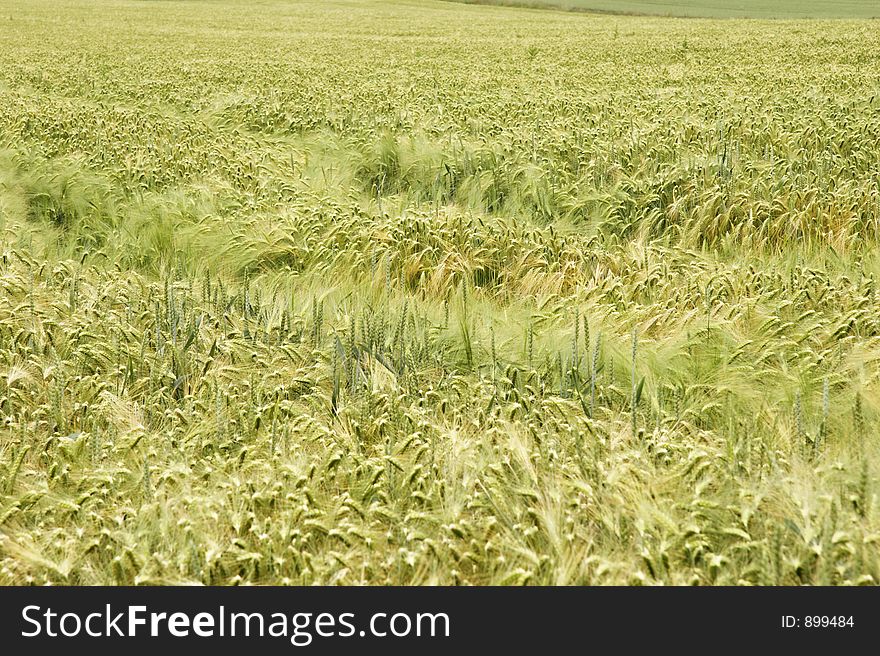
{"x":772,"y":9}
{"x":376,"y":292}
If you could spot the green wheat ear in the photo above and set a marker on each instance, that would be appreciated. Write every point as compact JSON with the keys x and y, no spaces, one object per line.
{"x":147,"y":482}
{"x":634,"y":387}
{"x":594,"y":372}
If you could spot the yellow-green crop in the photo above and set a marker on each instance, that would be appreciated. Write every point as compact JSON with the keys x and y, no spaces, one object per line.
{"x":420,"y":292}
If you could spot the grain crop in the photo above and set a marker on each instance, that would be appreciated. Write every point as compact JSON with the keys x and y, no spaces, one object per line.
{"x":375,"y":292}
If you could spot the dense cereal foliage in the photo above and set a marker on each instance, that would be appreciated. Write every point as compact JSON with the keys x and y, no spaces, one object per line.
{"x":420,"y":292}
{"x":709,"y":8}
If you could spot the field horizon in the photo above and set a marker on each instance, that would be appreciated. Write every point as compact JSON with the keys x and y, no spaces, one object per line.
{"x":364,"y":292}
{"x":743,"y":9}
